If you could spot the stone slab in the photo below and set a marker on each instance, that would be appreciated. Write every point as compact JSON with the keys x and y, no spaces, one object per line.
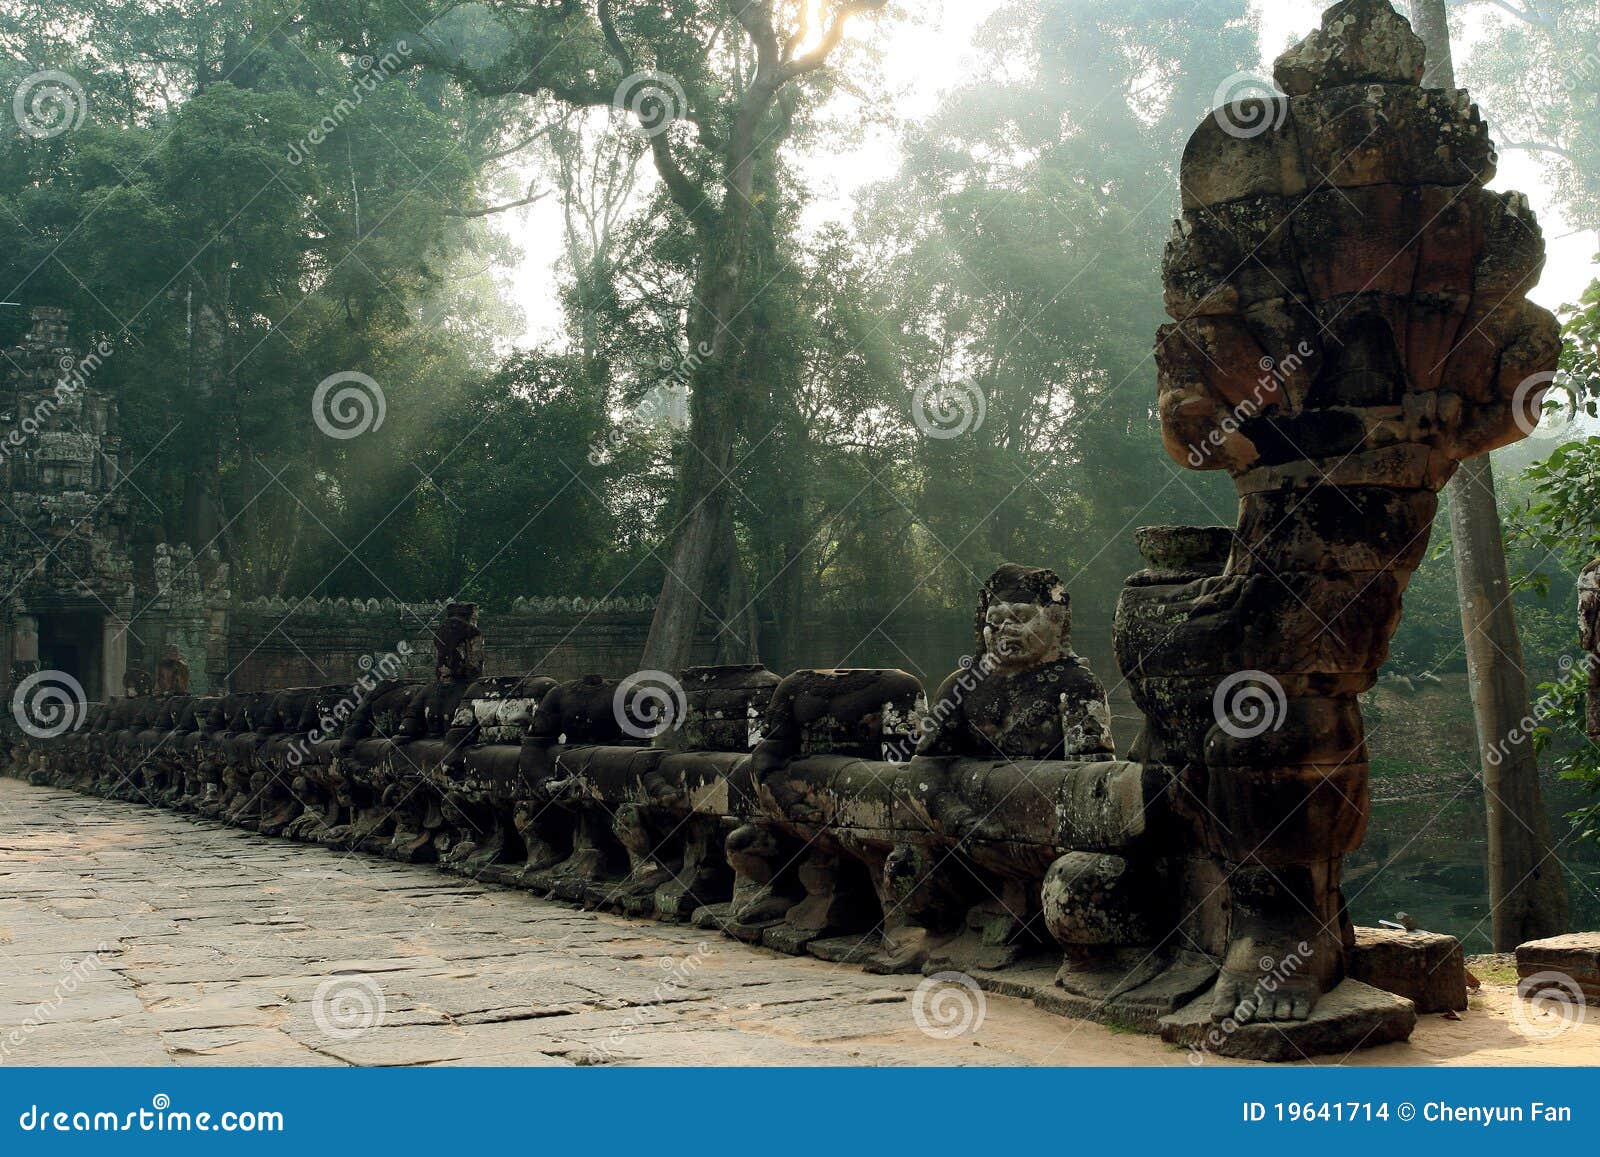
{"x":1353,"y":1016}
{"x":844,"y":949}
{"x":1576,"y":955}
{"x":1428,"y":968}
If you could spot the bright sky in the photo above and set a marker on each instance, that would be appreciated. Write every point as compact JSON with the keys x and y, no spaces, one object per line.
{"x":923,"y":60}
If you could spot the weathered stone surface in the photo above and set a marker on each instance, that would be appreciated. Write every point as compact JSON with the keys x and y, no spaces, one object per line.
{"x":1389,"y":341}
{"x":1427,"y":968}
{"x":216,"y":941}
{"x":1576,"y":955}
{"x":1360,"y":41}
{"x":1352,"y":1015}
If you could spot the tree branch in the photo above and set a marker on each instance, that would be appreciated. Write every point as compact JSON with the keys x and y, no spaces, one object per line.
{"x":1535,"y":147}
{"x":1527,"y":16}
{"x":530,"y":199}
{"x":685,"y":193}
{"x":831,"y":39}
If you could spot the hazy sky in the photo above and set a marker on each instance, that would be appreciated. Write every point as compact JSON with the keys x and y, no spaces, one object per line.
{"x":920,"y":61}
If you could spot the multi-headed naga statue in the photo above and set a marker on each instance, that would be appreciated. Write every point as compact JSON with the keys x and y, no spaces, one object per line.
{"x":1350,"y":324}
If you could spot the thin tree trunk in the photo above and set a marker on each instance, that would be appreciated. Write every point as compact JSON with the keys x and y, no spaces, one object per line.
{"x":1527,"y":893}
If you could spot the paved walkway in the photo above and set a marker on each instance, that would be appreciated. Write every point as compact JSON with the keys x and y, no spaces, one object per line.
{"x":130,"y":935}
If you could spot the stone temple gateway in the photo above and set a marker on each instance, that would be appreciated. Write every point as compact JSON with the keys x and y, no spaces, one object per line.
{"x":1349,"y":324}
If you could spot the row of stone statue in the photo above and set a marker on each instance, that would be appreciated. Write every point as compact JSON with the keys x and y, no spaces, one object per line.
{"x":840,"y":813}
{"x":1350,"y":323}
{"x":830,"y":804}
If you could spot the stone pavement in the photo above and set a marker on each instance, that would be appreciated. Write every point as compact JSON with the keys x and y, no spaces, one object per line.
{"x":131,"y":935}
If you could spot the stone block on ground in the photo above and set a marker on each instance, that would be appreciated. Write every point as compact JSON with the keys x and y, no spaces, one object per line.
{"x":1427,"y":968}
{"x":1576,"y":955}
{"x":1353,"y":1016}
{"x":842,"y":949}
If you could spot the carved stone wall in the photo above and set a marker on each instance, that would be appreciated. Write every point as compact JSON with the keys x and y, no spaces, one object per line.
{"x":65,"y":568}
{"x":277,"y":643}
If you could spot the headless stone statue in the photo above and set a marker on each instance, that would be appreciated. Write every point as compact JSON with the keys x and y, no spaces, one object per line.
{"x":457,"y":661}
{"x":172,"y":673}
{"x":136,"y":681}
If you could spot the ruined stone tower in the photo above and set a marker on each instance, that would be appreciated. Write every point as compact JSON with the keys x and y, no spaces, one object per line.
{"x":66,"y":574}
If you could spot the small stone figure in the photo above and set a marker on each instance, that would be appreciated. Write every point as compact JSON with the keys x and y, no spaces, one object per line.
{"x":172,"y":673}
{"x":457,"y":661}
{"x":1027,"y":696}
{"x":136,"y":681}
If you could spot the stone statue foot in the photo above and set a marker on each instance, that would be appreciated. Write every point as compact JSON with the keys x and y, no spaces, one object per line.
{"x":1107,"y":974}
{"x":541,"y":854}
{"x":904,"y":949}
{"x":583,"y":864}
{"x":413,"y":847}
{"x":1267,"y":979}
{"x":758,"y":904}
{"x":636,"y":893}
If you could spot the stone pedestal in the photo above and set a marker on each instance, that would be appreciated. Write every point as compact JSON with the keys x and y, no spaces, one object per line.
{"x":1541,"y":963}
{"x":1428,"y":968}
{"x":1350,"y":1016}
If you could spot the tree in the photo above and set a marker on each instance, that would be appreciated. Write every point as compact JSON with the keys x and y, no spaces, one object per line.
{"x":237,"y":218}
{"x":717,"y":85}
{"x":1018,"y":249}
{"x":1527,"y":893}
{"x":1538,"y":69}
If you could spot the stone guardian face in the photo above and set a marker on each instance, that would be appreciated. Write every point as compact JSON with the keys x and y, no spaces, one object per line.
{"x":1020,"y":635}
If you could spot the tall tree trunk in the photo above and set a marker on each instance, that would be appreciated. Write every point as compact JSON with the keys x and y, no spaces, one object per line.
{"x":1527,"y":893}
{"x":209,"y":349}
{"x":703,"y":536}
{"x":704,"y":510}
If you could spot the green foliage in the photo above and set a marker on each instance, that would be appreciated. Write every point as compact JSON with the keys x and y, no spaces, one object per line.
{"x":1557,"y":528}
{"x":1537,"y":76}
{"x":246,"y":210}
